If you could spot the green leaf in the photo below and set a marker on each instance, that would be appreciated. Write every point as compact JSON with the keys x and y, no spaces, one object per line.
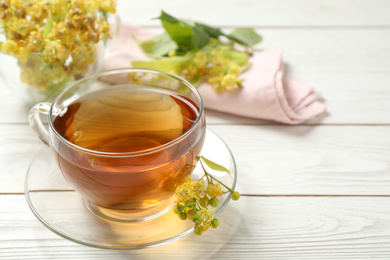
{"x":180,"y":33}
{"x":186,"y":36}
{"x":159,"y":45}
{"x":214,"y":166}
{"x":246,"y":36}
{"x":211,"y":31}
{"x":167,"y":64}
{"x":167,"y":18}
{"x":200,"y":38}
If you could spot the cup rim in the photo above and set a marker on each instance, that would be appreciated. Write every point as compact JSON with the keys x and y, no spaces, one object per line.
{"x":136,"y":153}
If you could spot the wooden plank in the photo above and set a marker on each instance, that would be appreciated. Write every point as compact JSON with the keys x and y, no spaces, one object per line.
{"x":330,"y":50}
{"x":262,"y":12}
{"x":310,"y":160}
{"x":18,"y":146}
{"x":273,"y":228}
{"x":328,"y":160}
{"x":12,"y":108}
{"x":353,"y":97}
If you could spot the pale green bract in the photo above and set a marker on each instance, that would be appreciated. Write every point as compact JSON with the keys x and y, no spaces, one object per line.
{"x":166,"y":63}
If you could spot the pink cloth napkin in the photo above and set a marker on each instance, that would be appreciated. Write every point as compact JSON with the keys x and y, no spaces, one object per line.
{"x":266,"y":92}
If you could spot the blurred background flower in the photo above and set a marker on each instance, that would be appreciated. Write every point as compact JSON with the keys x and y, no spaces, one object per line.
{"x":46,"y":44}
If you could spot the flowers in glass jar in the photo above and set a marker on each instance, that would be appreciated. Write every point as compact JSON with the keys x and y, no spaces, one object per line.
{"x":54,"y":40}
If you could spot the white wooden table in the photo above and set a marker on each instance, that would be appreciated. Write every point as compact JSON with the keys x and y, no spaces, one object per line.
{"x":315,"y":191}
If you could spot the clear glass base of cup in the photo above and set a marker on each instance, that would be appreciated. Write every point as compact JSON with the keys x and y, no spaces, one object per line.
{"x":133,"y":215}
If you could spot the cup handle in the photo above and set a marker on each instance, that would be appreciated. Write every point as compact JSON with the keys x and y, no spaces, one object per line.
{"x":36,"y":122}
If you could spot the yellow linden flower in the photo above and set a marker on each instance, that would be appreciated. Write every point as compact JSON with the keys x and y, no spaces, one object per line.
{"x":214,"y":190}
{"x":205,"y":218}
{"x":38,"y":13}
{"x":9,"y":47}
{"x":4,"y":5}
{"x":190,"y":190}
{"x":54,"y":51}
{"x":35,"y":41}
{"x":58,"y":7}
{"x":200,"y":59}
{"x":19,"y":27}
{"x":218,"y":60}
{"x":228,"y":81}
{"x":215,"y":81}
{"x":82,"y":4}
{"x":108,"y":6}
{"x":234,"y":69}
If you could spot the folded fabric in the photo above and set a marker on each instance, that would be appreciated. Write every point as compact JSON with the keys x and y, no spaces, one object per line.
{"x":266,"y":92}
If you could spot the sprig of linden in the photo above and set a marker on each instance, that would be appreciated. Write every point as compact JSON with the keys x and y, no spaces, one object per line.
{"x":197,"y":199}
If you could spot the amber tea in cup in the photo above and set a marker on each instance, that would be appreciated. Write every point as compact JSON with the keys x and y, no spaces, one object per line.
{"x":123,"y":119}
{"x":124,"y":139}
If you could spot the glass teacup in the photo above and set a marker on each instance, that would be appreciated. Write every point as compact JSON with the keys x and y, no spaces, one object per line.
{"x":124,"y":139}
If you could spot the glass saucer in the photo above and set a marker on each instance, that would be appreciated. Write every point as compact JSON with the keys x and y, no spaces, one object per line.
{"x":63,"y":211}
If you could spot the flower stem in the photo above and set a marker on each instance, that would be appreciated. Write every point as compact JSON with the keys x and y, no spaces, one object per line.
{"x":206,"y":173}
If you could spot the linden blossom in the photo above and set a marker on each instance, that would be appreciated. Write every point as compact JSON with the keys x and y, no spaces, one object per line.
{"x":195,"y":52}
{"x":53,"y":40}
{"x":193,"y":198}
